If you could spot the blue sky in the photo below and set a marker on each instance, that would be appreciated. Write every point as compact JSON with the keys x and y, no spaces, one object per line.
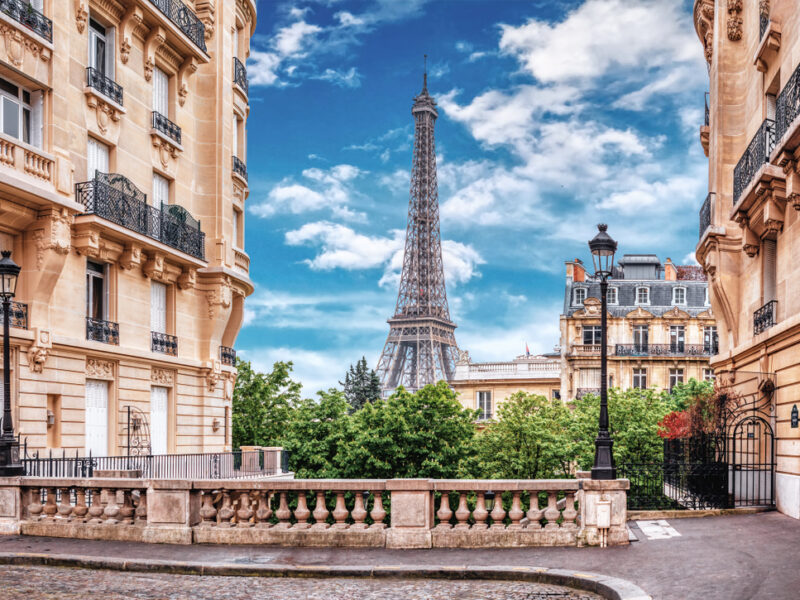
{"x":553,"y":116}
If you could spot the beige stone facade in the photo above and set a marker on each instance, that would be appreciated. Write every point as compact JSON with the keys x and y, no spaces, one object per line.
{"x":130,"y":132}
{"x":485,"y":386}
{"x":750,"y":224}
{"x":661,"y":329}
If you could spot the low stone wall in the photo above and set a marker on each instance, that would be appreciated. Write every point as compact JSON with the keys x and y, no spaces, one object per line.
{"x":393,"y":513}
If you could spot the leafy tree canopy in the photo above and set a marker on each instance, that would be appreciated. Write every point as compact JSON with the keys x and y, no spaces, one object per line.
{"x":361,"y":385}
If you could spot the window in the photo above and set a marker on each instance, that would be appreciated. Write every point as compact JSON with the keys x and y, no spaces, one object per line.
{"x":484,"y":406}
{"x":235,"y":142}
{"x":769,"y":250}
{"x":160,"y":190}
{"x":96,"y":418}
{"x":160,"y":92}
{"x":640,"y":379}
{"x":96,"y":158}
{"x":611,"y":296}
{"x":580,"y":296}
{"x":708,"y":374}
{"x":238,"y":232}
{"x":101,"y":48}
{"x":158,"y":419}
{"x":555,"y":394}
{"x":96,"y":291}
{"x":710,"y":340}
{"x":642,"y":295}
{"x":675,"y":377}
{"x":235,"y":42}
{"x":21,"y":113}
{"x":641,"y":334}
{"x":679,"y":295}
{"x":677,"y":338}
{"x":158,"y":307}
{"x":705,"y":301}
{"x":591,"y":335}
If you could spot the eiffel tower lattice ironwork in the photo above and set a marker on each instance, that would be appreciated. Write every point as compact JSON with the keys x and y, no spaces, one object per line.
{"x":421,"y":347}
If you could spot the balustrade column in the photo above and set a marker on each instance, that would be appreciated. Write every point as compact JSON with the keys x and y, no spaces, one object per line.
{"x":445,"y":513}
{"x":498,"y":512}
{"x":226,"y":511}
{"x":64,"y":508}
{"x":283,"y":513}
{"x":245,"y":513}
{"x":141,"y":508}
{"x":111,"y":509}
{"x":127,"y":511}
{"x":80,"y":510}
{"x":35,"y":507}
{"x":359,"y":513}
{"x":207,"y":511}
{"x":534,"y":512}
{"x":569,"y":513}
{"x":515,"y":514}
{"x":552,"y":513}
{"x":264,"y":511}
{"x":96,"y":508}
{"x":462,"y":512}
{"x":340,"y":512}
{"x":378,"y":513}
{"x":480,"y":514}
{"x":50,"y":507}
{"x":301,"y":513}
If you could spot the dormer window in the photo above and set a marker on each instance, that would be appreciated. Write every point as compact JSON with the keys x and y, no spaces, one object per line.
{"x":611,"y":296}
{"x":679,"y":295}
{"x":642,"y":295}
{"x":580,"y":296}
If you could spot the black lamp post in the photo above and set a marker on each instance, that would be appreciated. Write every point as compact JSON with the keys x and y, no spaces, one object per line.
{"x":603,"y":249}
{"x":10,"y":466}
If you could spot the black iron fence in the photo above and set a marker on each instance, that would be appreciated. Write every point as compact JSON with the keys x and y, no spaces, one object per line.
{"x":757,"y":153}
{"x":164,"y":343}
{"x":167,"y":127}
{"x":227,"y":356}
{"x":240,"y":75}
{"x":765,"y":317}
{"x":98,"y":330}
{"x":17,"y":314}
{"x":788,"y":105}
{"x":705,"y":214}
{"x":115,"y":198}
{"x":188,"y":22}
{"x":676,"y":349}
{"x":106,"y":86}
{"x":22,"y":12}
{"x":239,"y":168}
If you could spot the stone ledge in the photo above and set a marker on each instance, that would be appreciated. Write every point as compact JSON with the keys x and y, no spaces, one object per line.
{"x":504,"y":538}
{"x":272,"y":536}
{"x":117,"y":533}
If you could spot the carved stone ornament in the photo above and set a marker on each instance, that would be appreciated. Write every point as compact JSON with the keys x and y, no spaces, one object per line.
{"x":229,"y":381}
{"x":205,"y":10}
{"x":187,"y":279}
{"x":639,"y":313}
{"x":734,"y":20}
{"x":463,"y":357}
{"x":81,"y":14}
{"x":55,"y":236}
{"x":131,"y":257}
{"x":591,"y":307}
{"x":99,"y":369}
{"x":105,"y":111}
{"x":704,"y":24}
{"x":17,"y":45}
{"x":188,"y":68}
{"x":162,"y":377}
{"x":132,"y":19}
{"x":154,"y":267}
{"x":220,"y":296}
{"x":165,"y":150}
{"x":794,"y":198}
{"x":155,"y":39}
{"x":213,"y":375}
{"x":38,"y":351}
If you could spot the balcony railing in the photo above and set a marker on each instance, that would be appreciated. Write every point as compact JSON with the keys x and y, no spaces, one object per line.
{"x":765,"y":317}
{"x":23,"y":13}
{"x":788,"y":105}
{"x":167,"y":127}
{"x":757,"y":154}
{"x":227,"y":356}
{"x":98,"y":330}
{"x":188,"y":22}
{"x":116,"y":199}
{"x":239,"y":168}
{"x":677,"y":349}
{"x":17,"y":315}
{"x":163,"y":343}
{"x":240,"y":75}
{"x":581,"y":392}
{"x":106,"y":86}
{"x":705,"y":215}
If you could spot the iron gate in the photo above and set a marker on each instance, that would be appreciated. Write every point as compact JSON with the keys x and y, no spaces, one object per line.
{"x":752,"y":462}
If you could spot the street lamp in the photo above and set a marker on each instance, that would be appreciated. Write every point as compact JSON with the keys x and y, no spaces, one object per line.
{"x":9,"y":446}
{"x":603,"y":249}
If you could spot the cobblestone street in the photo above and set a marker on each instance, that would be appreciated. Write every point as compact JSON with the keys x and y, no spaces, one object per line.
{"x":46,"y":583}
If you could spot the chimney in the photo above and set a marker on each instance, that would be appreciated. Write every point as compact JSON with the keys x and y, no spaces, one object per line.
{"x":578,"y":271}
{"x":670,"y":272}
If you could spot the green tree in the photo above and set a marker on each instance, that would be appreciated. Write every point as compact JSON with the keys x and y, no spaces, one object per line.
{"x":684,"y":395}
{"x":262,"y":404}
{"x":361,"y":385}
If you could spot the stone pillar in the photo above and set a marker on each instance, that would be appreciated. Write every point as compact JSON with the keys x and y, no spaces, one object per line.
{"x":615,"y":491}
{"x":10,"y":505}
{"x":172,"y":509}
{"x":411,"y":513}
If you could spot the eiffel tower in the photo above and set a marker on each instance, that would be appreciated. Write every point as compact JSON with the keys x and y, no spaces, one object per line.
{"x":421,"y":347}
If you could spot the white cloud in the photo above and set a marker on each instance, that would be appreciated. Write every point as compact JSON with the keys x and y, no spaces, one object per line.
{"x":314,"y":370}
{"x":295,"y":39}
{"x":347,"y":79}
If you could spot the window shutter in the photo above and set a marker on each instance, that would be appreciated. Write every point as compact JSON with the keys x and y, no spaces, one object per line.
{"x":97,"y":157}
{"x":160,"y":190}
{"x":770,"y":266}
{"x":772,"y":106}
{"x":160,"y":92}
{"x":158,"y":307}
{"x":96,"y":418}
{"x":158,"y":420}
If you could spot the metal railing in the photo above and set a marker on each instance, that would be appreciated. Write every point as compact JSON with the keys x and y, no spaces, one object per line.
{"x":188,"y":22}
{"x":98,"y":330}
{"x":676,"y":349}
{"x":581,"y":392}
{"x":23,"y":13}
{"x":240,"y":75}
{"x":227,"y":356}
{"x":765,"y":317}
{"x":787,"y":105}
{"x":239,"y":168}
{"x":106,"y":86}
{"x":116,"y":199}
{"x":164,"y":343}
{"x":757,"y":154}
{"x":705,"y":214}
{"x":167,"y":127}
{"x":17,"y":315}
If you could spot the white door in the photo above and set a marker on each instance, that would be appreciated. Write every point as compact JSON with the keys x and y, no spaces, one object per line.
{"x":158,"y":420}
{"x":96,"y":157}
{"x":96,"y":417}
{"x":158,"y":307}
{"x":160,"y":92}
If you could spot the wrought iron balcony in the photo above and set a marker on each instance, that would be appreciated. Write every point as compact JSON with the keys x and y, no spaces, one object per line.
{"x":754,"y":157}
{"x":17,"y":315}
{"x":23,"y":13}
{"x":108,"y":87}
{"x":240,"y":75}
{"x":765,"y":317}
{"x":167,"y":127}
{"x":163,"y":343}
{"x":239,"y":168}
{"x":185,"y":19}
{"x":581,"y":392}
{"x":227,"y":356}
{"x":676,"y":349}
{"x":115,"y":198}
{"x":98,"y":330}
{"x":705,"y":215}
{"x":788,"y":105}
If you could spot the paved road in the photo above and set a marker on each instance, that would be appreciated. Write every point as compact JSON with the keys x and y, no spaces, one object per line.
{"x":741,"y":557}
{"x":51,"y":583}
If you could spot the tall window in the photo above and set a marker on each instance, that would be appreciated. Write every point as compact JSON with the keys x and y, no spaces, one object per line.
{"x":236,"y":152}
{"x":158,"y":307}
{"x":640,"y":379}
{"x":160,"y":190}
{"x":677,"y":335}
{"x":769,"y":251}
{"x":679,"y":295}
{"x":710,"y":340}
{"x":101,"y":48}
{"x":96,"y":291}
{"x":611,"y":296}
{"x":484,"y":406}
{"x":159,"y":400}
{"x":708,"y":374}
{"x":675,"y":377}
{"x":235,"y":41}
{"x":642,"y":295}
{"x":580,"y":296}
{"x":238,"y":232}
{"x":96,"y":158}
{"x":160,"y":92}
{"x":640,"y":337}
{"x":591,"y":335}
{"x":96,"y":418}
{"x":21,"y":113}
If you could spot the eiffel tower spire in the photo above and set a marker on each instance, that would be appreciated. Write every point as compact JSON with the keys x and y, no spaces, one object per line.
{"x":421,"y":347}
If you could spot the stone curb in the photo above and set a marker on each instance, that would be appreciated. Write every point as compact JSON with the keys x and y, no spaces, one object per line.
{"x":649,"y":515}
{"x":609,"y":587}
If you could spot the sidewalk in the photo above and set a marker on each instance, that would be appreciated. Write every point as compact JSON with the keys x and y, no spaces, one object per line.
{"x":738,"y":557}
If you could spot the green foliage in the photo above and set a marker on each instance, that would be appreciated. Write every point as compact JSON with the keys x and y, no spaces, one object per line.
{"x":262,"y":404}
{"x":684,"y":395}
{"x":361,"y":385}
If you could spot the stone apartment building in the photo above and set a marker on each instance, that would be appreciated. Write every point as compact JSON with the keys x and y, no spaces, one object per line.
{"x":485,"y":386}
{"x":661,"y":329}
{"x":122,"y":189}
{"x":750,"y":224}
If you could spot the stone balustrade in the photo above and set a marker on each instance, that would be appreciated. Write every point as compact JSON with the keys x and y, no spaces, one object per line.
{"x":26,"y":159}
{"x":393,"y":513}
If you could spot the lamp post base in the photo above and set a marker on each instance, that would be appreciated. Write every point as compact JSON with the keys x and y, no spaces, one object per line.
{"x":603,"y":468}
{"x":10,"y":466}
